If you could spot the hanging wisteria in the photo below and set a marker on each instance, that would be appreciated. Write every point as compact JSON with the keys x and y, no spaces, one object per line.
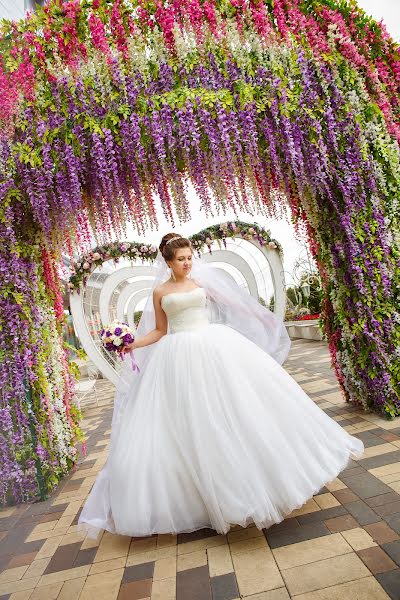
{"x":110,"y":108}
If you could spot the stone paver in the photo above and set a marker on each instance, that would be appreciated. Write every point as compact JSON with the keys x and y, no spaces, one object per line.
{"x":343,"y":543}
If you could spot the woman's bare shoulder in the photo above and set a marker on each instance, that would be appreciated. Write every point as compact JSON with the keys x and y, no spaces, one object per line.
{"x":161,"y":289}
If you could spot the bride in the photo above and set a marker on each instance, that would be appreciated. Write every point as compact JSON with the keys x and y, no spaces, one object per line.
{"x":212,"y":431}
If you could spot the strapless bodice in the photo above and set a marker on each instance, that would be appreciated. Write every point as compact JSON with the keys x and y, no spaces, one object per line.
{"x":186,"y":310}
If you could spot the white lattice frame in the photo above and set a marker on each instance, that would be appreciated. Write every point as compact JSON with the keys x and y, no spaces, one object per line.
{"x":137,"y":290}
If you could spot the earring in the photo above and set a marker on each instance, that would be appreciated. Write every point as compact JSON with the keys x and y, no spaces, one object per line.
{"x":172,"y":274}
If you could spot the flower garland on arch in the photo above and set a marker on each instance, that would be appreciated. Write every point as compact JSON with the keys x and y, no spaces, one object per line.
{"x":81,"y":269}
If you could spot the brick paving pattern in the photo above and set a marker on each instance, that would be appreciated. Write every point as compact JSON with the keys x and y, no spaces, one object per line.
{"x":343,"y":544}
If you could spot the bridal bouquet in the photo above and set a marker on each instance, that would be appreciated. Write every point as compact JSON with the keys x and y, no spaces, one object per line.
{"x":117,"y":335}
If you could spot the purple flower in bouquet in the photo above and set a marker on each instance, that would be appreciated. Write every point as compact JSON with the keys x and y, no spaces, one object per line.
{"x":116,"y":336}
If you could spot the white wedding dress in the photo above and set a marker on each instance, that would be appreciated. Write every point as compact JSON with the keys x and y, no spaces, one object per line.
{"x":218,"y":433}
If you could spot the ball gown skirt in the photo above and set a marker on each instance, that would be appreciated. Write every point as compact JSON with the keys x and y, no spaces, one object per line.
{"x":218,"y":433}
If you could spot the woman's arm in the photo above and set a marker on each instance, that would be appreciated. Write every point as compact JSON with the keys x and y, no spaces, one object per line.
{"x":160,"y":328}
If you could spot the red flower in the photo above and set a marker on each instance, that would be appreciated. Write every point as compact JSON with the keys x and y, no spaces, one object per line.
{"x":308,"y":317}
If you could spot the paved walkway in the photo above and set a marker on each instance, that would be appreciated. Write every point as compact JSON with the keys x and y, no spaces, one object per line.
{"x":343,"y":544}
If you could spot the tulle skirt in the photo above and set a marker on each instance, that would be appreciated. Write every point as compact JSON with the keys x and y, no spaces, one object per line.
{"x":216,"y":433}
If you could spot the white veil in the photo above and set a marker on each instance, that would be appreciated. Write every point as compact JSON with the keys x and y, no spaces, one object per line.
{"x":227,"y":304}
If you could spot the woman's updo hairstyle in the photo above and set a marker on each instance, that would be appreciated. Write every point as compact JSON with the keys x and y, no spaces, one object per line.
{"x":168,"y":249}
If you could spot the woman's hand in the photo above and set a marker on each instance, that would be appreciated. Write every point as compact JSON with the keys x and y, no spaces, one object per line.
{"x":127,"y":348}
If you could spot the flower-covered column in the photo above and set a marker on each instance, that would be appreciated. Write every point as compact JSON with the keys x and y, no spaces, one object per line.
{"x":38,"y":422}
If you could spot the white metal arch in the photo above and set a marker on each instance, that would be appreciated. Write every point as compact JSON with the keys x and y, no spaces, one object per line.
{"x":130,"y":290}
{"x":88,"y":343}
{"x":113,"y":281}
{"x":229,"y":257}
{"x":132,"y":304}
{"x":138,"y":289}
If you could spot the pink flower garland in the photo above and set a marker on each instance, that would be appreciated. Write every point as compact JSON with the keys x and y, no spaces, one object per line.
{"x":97,"y":31}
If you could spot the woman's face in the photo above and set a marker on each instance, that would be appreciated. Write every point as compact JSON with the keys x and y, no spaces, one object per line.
{"x":182,"y":263}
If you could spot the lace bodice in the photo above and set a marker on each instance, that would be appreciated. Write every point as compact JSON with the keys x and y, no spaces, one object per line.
{"x":186,"y":310}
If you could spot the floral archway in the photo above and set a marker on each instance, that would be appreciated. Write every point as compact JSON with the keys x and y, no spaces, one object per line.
{"x":108,"y":106}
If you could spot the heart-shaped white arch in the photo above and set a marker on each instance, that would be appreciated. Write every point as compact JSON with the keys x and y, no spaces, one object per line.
{"x":129,"y":298}
{"x":134,"y":291}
